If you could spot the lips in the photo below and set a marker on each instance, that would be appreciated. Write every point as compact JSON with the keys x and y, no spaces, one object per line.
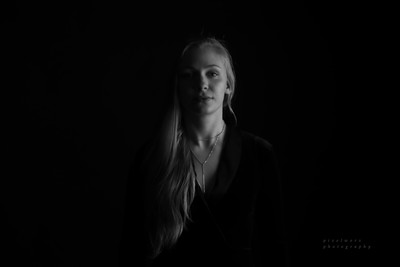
{"x":204,"y":97}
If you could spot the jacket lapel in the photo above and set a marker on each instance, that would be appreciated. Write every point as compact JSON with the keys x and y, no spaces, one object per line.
{"x":229,"y":162}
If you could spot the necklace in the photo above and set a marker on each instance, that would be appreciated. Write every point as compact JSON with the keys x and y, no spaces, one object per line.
{"x":209,"y":155}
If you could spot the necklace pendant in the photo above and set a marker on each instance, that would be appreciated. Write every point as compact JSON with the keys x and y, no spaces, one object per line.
{"x":204,"y":184}
{"x":205,"y":161}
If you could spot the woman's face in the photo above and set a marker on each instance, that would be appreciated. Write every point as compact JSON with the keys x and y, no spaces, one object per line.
{"x":202,"y":81}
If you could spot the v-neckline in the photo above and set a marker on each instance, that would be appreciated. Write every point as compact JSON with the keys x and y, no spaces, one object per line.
{"x":211,"y":192}
{"x":226,"y":173}
{"x":227,"y":167}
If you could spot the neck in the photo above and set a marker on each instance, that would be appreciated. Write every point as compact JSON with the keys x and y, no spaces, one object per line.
{"x":202,"y":130}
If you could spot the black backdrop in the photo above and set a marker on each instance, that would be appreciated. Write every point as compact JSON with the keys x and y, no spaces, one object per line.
{"x":86,"y":81}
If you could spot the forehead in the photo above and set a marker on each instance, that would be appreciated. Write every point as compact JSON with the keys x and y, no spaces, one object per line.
{"x":202,"y":57}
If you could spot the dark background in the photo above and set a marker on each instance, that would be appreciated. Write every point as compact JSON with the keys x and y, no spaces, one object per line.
{"x":83,"y":83}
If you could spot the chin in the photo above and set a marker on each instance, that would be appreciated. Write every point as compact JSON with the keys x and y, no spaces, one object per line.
{"x":208,"y":111}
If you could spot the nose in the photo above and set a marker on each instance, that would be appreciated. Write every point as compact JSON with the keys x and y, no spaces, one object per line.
{"x":203,"y":83}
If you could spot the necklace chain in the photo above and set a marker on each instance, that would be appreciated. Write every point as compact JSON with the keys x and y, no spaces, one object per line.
{"x":209,"y":155}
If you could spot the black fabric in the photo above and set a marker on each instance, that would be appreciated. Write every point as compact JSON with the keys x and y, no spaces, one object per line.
{"x":238,"y":223}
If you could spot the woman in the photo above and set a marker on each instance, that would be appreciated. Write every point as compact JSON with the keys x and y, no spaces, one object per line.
{"x":202,"y":191}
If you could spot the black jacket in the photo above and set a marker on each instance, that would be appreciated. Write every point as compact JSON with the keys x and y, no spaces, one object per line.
{"x":239,"y":223}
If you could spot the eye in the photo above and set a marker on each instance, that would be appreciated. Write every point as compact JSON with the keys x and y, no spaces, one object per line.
{"x":185,"y":75}
{"x":213,"y":73}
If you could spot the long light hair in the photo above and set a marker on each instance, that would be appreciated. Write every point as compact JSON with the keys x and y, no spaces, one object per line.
{"x":170,"y":176}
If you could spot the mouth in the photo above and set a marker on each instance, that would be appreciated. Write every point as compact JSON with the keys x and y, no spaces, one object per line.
{"x":204,"y":97}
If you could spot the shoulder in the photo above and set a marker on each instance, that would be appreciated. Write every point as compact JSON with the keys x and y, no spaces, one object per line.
{"x":260,"y":152}
{"x":252,"y":139}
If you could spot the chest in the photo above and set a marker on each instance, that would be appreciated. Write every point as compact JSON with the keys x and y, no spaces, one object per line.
{"x":206,"y":166}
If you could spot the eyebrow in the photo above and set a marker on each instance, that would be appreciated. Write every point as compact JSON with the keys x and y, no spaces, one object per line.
{"x":208,"y":66}
{"x":213,"y":65}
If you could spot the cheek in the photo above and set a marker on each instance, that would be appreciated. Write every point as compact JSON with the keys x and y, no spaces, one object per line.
{"x":185,"y":87}
{"x":220,"y":87}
